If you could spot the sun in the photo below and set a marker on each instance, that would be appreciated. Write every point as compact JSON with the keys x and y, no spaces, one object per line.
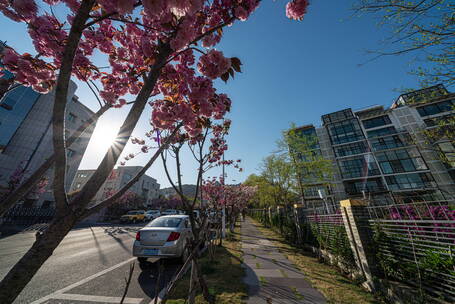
{"x":104,"y":136}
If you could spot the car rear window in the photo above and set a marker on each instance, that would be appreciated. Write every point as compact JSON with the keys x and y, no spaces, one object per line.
{"x":169,"y":222}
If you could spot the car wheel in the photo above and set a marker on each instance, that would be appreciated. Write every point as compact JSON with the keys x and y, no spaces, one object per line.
{"x":143,"y":264}
{"x":142,"y":260}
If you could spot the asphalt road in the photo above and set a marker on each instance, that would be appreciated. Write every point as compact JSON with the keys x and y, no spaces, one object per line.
{"x":89,"y":266}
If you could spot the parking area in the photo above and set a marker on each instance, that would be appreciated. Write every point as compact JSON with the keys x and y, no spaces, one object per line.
{"x":90,"y":266}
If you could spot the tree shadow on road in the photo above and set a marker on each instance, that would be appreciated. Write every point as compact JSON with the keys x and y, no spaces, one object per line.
{"x":115,"y":232}
{"x":98,"y":247}
{"x":148,"y":277}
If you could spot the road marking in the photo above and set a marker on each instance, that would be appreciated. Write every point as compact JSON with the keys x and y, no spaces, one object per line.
{"x":96,"y":275}
{"x":99,"y":299}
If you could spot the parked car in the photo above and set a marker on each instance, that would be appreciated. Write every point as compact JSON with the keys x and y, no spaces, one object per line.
{"x":164,"y":237}
{"x":133,"y":216}
{"x":170,"y":212}
{"x":196,"y":213}
{"x":152,"y":214}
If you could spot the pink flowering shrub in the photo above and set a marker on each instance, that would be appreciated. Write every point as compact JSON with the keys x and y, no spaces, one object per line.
{"x":423,"y":219}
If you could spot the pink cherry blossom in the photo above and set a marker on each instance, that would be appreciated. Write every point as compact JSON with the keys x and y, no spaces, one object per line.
{"x":296,"y":9}
{"x":121,"y":6}
{"x":213,"y":64}
{"x":25,"y":8}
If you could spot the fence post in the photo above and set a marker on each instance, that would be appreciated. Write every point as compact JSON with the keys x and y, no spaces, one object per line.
{"x":297,"y":212}
{"x":279,"y":216}
{"x":355,"y":219}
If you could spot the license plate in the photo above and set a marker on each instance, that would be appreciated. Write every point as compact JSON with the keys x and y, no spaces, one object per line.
{"x":151,"y":251}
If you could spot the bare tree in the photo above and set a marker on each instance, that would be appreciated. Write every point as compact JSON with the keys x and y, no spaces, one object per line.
{"x":423,"y":27}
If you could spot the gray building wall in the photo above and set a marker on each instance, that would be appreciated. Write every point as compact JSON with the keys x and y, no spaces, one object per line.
{"x":31,"y":143}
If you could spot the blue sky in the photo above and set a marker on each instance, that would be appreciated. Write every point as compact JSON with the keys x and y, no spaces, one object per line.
{"x":292,"y":72}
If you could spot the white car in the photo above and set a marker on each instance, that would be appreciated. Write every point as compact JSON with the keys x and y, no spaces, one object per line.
{"x":152,"y":214}
{"x":164,"y":237}
{"x":170,"y":212}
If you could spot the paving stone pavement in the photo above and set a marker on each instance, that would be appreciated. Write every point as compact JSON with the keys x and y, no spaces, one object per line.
{"x":270,"y":276}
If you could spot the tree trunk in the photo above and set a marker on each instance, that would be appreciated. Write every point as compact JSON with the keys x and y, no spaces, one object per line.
{"x":24,"y":270}
{"x":202,"y":283}
{"x":192,"y":289}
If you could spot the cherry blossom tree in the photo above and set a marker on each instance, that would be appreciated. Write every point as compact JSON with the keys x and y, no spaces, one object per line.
{"x":207,"y":150}
{"x":150,"y":47}
{"x":16,"y":178}
{"x":173,"y":202}
{"x":233,"y":198}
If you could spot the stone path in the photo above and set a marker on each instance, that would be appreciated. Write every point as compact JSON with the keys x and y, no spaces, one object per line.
{"x":271,"y":278}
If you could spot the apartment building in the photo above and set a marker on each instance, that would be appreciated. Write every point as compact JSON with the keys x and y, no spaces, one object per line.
{"x":146,"y":187}
{"x":382,"y":152}
{"x":26,"y":136}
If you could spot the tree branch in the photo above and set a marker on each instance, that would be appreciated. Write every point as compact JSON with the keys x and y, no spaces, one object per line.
{"x":112,"y":155}
{"x":61,"y":95}
{"x":132,"y":181}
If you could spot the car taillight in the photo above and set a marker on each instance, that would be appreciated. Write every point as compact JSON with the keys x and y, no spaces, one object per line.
{"x":173,"y":236}
{"x":138,"y":236}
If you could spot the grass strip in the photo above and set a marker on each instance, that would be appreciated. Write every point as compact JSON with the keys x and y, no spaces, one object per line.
{"x":327,"y":279}
{"x":224,"y":275}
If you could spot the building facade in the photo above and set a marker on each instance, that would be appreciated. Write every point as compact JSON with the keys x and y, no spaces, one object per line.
{"x":147,"y":188}
{"x":189,"y":190}
{"x":26,"y":136}
{"x":384,"y":153}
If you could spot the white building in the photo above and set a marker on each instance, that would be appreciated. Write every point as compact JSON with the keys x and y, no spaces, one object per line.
{"x":146,"y":188}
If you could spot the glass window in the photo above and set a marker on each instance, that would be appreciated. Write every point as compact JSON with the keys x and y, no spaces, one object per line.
{"x":376,"y":122}
{"x":344,"y":132}
{"x":409,"y":181}
{"x":337,"y":116}
{"x":386,"y":167}
{"x":388,"y":142}
{"x":351,"y":149}
{"x":367,"y":186}
{"x":381,"y":132}
{"x":72,"y":117}
{"x":448,"y":153}
{"x":165,"y":221}
{"x":358,"y":167}
{"x":70,"y":153}
{"x":399,"y":161}
{"x":436,"y":108}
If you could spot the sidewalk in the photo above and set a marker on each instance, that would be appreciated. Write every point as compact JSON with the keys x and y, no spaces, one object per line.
{"x":271,"y":278}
